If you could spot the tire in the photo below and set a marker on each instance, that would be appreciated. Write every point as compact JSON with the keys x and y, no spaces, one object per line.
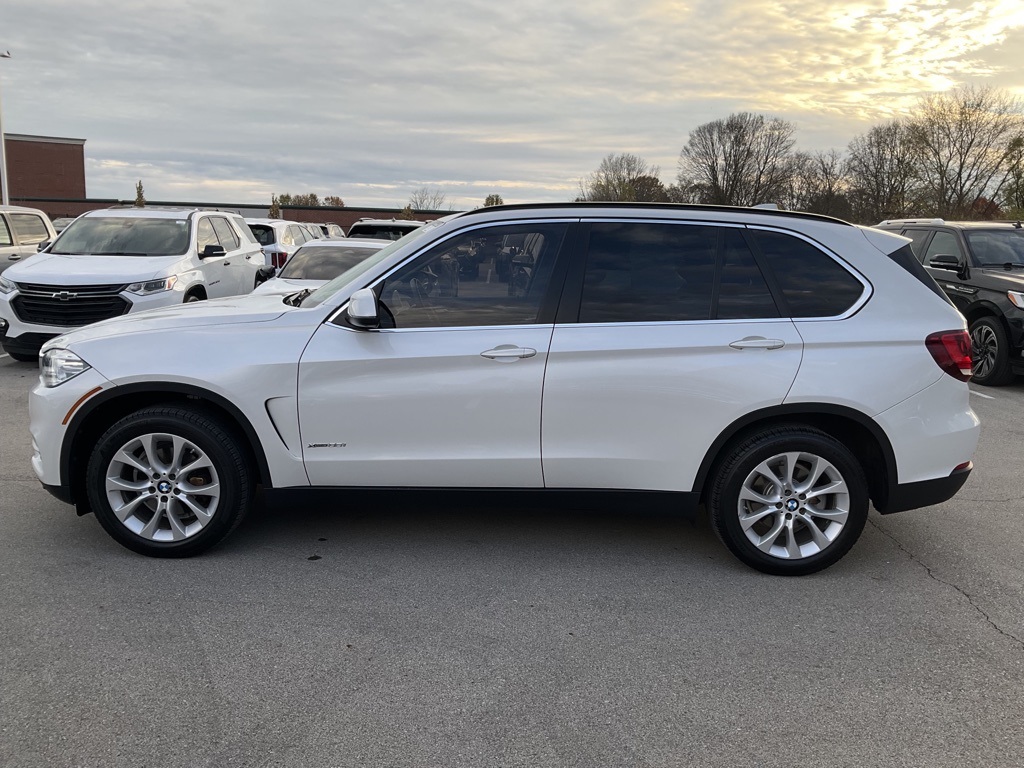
{"x":133,"y":462}
{"x":774,"y":529}
{"x":23,"y":357}
{"x":193,"y":297}
{"x":990,"y":353}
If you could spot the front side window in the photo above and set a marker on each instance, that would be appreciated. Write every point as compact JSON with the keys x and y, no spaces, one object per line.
{"x":123,"y":236}
{"x":508,"y":272}
{"x":5,"y":233}
{"x":942,"y":244}
{"x":31,"y":229}
{"x":813,"y":284}
{"x":205,"y":234}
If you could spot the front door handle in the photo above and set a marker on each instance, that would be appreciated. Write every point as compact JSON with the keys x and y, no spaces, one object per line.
{"x":508,"y":353}
{"x":14,"y":257}
{"x":757,"y":342}
{"x":227,"y":263}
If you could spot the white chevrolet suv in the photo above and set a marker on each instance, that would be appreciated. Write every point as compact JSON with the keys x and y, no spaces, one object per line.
{"x":780,"y":370}
{"x":118,"y":260}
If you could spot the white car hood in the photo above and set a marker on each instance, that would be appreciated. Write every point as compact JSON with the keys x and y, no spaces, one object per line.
{"x":57,"y":269}
{"x":237,"y":309}
{"x":282,"y":286}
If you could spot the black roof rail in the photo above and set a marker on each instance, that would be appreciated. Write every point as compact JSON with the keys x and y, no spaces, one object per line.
{"x":661,"y":206}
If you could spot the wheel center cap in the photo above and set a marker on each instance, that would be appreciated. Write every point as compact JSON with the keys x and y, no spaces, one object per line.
{"x":164,"y":487}
{"x":792,"y":505}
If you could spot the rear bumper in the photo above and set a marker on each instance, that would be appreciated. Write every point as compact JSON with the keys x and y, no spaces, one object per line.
{"x":925,"y":493}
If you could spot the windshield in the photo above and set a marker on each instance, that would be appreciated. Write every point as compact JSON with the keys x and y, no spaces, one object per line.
{"x":324,"y":292}
{"x":997,"y":246}
{"x":123,"y":236}
{"x":324,"y":262}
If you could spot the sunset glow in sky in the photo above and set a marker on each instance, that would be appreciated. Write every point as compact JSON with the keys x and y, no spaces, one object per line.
{"x":225,"y":102}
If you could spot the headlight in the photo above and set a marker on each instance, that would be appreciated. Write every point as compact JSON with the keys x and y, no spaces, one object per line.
{"x":6,"y":286}
{"x":58,"y":365}
{"x":1017,"y":299}
{"x":152,"y":286}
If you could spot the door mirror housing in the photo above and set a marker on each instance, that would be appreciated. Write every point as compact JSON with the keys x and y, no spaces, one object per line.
{"x":363,"y":311}
{"x":43,"y":245}
{"x":945,"y":261}
{"x":212,"y":252}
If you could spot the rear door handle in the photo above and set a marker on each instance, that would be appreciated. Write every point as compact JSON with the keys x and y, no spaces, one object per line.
{"x":508,"y":353}
{"x":14,"y":257}
{"x":757,"y":342}
{"x":227,"y":263}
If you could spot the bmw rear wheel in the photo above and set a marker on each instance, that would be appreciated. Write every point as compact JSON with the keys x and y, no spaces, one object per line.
{"x":789,"y":501}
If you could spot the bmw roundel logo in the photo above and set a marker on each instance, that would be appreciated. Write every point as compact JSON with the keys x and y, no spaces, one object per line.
{"x":164,"y":487}
{"x":792,"y":505}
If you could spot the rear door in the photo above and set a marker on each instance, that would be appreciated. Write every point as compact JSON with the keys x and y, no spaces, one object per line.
{"x":668,"y":332}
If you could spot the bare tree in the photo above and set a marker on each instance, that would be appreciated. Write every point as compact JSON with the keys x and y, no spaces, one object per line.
{"x":741,"y":160}
{"x":623,"y":177}
{"x":427,"y":199}
{"x":963,"y":147}
{"x":818,"y":184}
{"x":880,"y":169}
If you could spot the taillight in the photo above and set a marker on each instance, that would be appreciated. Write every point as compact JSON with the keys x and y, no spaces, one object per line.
{"x":952,"y":351}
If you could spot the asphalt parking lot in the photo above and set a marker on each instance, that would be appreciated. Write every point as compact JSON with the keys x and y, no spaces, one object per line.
{"x":403,"y":636}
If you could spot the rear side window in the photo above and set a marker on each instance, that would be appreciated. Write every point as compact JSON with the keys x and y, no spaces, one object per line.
{"x":644,"y":272}
{"x":918,"y":236}
{"x":813,"y":284}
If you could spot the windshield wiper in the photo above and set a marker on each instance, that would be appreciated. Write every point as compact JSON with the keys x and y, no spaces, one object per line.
{"x":1004,"y":264}
{"x":295,"y":299}
{"x":116,"y":253}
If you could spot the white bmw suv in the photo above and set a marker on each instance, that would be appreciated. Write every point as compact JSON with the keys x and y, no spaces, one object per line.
{"x":783,"y":370}
{"x":114,"y":261}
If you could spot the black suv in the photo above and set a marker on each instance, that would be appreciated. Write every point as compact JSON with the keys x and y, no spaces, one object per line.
{"x":980,"y":266}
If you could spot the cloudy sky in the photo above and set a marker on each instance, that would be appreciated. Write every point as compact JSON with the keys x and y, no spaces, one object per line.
{"x":229,"y":102}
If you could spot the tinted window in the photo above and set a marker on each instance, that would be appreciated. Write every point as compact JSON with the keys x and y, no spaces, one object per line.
{"x":245,"y":231}
{"x":648,"y":273}
{"x":379,"y":231}
{"x":918,"y":236}
{"x":324,"y":263}
{"x":813,"y":283}
{"x":30,"y":228}
{"x":943,"y":243}
{"x":906,"y":258}
{"x":264,"y":234}
{"x":225,"y":234}
{"x":124,"y":236}
{"x":5,"y":233}
{"x":515,"y":262}
{"x":743,"y":293}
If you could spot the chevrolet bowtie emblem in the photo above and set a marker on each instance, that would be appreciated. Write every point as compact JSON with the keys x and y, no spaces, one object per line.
{"x":64,"y":295}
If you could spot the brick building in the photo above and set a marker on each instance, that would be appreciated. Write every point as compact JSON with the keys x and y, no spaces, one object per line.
{"x":45,"y":167}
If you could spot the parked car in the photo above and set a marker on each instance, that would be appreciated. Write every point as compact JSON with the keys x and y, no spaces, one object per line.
{"x":329,"y":229}
{"x":383,"y":229}
{"x":980,"y":266}
{"x":782,"y":369}
{"x":60,"y":224}
{"x":119,"y":260}
{"x":22,"y":230}
{"x":319,"y":261}
{"x":279,"y":238}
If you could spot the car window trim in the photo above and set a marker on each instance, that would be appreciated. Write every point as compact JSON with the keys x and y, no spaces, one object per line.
{"x":549,"y":304}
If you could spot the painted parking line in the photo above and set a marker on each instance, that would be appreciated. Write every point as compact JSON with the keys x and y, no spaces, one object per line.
{"x":979,"y":394}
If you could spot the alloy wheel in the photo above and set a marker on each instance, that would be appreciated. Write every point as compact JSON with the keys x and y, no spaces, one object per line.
{"x":985,"y":346}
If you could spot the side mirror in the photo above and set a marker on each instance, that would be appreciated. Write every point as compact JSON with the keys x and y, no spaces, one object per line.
{"x":43,"y":245}
{"x":363,"y":311}
{"x":212,"y":252}
{"x":944,"y":261}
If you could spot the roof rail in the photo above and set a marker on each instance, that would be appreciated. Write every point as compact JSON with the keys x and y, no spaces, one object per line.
{"x":910,"y":221}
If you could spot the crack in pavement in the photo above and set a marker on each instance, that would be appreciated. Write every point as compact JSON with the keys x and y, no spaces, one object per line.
{"x":927,"y":568}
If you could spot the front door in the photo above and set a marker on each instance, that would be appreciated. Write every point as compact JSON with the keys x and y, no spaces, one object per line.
{"x":448,"y":392}
{"x":9,"y":252}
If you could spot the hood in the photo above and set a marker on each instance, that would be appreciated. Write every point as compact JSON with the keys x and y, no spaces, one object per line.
{"x":57,"y":269}
{"x":1010,"y":277}
{"x":238,"y":309}
{"x":282,"y":286}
